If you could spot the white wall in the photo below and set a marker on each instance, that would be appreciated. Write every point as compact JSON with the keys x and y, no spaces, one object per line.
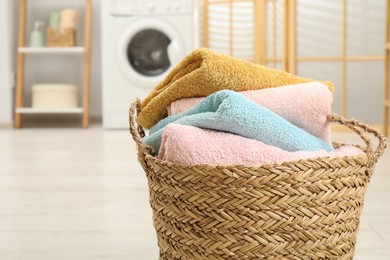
{"x":6,"y":64}
{"x":63,"y":69}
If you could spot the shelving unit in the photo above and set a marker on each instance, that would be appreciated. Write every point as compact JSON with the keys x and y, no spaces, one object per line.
{"x":23,"y":50}
{"x":386,"y":101}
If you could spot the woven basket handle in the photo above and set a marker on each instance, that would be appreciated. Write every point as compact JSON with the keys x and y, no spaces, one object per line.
{"x":361,"y":129}
{"x":137,"y":131}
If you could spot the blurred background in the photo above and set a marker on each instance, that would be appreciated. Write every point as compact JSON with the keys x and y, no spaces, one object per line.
{"x":343,"y":41}
{"x":71,"y":188}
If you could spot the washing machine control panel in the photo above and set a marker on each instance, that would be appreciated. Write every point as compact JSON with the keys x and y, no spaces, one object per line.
{"x":139,"y":7}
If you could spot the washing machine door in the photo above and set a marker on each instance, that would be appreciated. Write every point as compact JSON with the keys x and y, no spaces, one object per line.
{"x":147,"y":50}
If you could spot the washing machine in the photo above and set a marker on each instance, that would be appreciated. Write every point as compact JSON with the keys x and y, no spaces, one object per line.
{"x":141,"y":42}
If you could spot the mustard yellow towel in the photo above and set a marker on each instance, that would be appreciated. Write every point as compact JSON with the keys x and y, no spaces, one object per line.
{"x":204,"y":72}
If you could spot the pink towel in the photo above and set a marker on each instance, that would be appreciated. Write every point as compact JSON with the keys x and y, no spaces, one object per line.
{"x":192,"y":145}
{"x":304,"y":105}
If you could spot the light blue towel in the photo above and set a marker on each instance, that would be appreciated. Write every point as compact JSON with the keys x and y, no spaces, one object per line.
{"x":231,"y":112}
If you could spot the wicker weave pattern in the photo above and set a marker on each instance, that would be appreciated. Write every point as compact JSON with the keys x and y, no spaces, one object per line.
{"x":55,"y":39}
{"x":307,"y":209}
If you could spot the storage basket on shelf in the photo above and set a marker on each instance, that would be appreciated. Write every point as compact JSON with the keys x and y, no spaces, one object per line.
{"x":56,"y":39}
{"x":307,"y":209}
{"x":54,"y":96}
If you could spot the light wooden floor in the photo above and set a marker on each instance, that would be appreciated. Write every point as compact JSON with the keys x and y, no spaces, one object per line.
{"x":77,"y":194}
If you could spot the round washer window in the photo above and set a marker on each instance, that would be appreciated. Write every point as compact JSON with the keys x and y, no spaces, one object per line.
{"x":147,"y":52}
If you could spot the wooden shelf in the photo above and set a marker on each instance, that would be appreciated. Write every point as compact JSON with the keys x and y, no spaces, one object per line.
{"x":52,"y":50}
{"x":82,"y":51}
{"x":33,"y":110}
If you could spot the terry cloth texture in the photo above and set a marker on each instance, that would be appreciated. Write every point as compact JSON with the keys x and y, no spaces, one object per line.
{"x":204,"y":72}
{"x":229,"y":111}
{"x":305,"y":105}
{"x":191,"y":145}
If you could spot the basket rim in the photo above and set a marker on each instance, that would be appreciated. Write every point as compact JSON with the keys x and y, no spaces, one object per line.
{"x":363,"y":157}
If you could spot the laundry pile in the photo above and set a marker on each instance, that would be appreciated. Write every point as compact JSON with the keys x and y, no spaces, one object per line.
{"x":216,"y":109}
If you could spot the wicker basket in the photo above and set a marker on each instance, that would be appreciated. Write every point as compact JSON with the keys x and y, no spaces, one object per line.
{"x":55,"y":39}
{"x":307,"y":209}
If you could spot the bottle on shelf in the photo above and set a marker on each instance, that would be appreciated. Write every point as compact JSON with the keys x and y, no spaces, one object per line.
{"x":36,"y":36}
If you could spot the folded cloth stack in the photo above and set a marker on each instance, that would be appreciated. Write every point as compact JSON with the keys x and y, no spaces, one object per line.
{"x":274,"y":117}
{"x":230,"y":111}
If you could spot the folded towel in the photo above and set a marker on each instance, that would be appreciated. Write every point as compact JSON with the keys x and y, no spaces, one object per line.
{"x":192,"y":145}
{"x":68,"y":19}
{"x":204,"y":72}
{"x":229,"y":111}
{"x":305,"y":105}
